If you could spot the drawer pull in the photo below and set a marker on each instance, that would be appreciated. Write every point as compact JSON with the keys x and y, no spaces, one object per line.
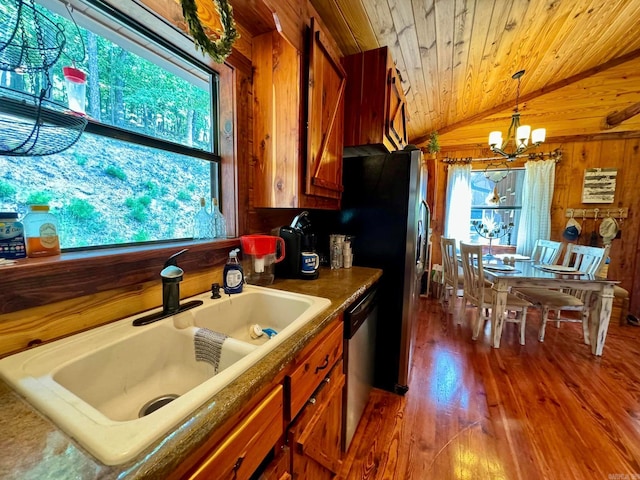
{"x":324,"y":365}
{"x":237,"y":466}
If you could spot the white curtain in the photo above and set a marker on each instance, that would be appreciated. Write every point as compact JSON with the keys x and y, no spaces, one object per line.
{"x":458,"y":215}
{"x":535,"y":217}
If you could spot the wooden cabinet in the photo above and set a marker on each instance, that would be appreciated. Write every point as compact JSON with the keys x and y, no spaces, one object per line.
{"x":276,"y":121}
{"x":298,"y":122}
{"x":315,"y":436}
{"x":315,"y":388}
{"x":313,"y":368}
{"x":325,"y":116}
{"x":246,"y":446}
{"x":377,"y":119}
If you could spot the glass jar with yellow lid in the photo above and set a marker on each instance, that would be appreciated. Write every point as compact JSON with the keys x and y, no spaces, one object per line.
{"x":41,"y":232}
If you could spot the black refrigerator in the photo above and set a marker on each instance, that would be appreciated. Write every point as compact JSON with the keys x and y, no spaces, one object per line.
{"x":384,"y":208}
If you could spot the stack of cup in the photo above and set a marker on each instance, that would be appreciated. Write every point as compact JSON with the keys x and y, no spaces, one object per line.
{"x":335,"y":250}
{"x":341,"y":253}
{"x":347,"y":253}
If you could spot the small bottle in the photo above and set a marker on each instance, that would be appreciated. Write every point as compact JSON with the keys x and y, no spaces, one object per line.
{"x":41,"y":232}
{"x":218,"y":220}
{"x":12,"y":244}
{"x":233,"y":276}
{"x":202,"y":223}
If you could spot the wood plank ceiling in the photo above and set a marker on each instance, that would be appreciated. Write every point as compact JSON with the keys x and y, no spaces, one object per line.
{"x":457,"y":57}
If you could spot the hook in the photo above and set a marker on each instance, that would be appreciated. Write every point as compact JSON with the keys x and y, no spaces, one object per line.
{"x":621,"y":213}
{"x":595,"y":214}
{"x":608,"y":213}
{"x":571,"y":212}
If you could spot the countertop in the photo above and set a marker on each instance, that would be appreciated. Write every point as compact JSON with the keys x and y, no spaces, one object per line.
{"x":32,"y":447}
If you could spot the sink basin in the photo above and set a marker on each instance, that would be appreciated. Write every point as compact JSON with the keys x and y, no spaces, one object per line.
{"x":235,"y":317}
{"x":118,"y":388}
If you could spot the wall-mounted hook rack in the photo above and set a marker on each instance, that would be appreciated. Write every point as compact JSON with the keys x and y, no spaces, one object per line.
{"x":603,"y":212}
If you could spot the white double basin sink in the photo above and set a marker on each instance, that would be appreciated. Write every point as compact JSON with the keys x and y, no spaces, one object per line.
{"x":118,"y":388}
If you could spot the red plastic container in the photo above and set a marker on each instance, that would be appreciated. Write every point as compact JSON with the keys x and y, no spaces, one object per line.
{"x":261,"y":245}
{"x":259,"y":257}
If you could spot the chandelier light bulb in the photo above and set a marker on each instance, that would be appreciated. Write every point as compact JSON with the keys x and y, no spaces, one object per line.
{"x":538,"y":136}
{"x":495,"y":139}
{"x":522,"y":134}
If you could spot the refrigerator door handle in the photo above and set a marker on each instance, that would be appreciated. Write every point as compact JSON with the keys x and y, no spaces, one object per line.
{"x":423,"y":229}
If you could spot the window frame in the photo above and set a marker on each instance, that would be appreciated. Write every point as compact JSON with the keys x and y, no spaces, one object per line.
{"x":141,"y":40}
{"x":33,"y":283}
{"x":497,"y":208}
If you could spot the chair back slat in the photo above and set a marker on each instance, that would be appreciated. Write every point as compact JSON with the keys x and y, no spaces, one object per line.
{"x":585,"y":259}
{"x":449,"y":261}
{"x":547,"y":251}
{"x":473,"y":272}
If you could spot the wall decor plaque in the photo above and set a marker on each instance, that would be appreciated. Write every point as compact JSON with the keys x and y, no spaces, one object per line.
{"x":599,"y":185}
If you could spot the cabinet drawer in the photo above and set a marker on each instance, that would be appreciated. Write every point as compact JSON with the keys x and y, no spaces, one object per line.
{"x":314,"y":367}
{"x":242,"y":451}
{"x":316,"y":435}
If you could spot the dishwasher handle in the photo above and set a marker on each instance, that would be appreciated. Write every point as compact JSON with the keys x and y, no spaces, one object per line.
{"x":357,"y":314}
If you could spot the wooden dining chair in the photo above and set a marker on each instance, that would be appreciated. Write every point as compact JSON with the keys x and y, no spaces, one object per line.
{"x":478,"y":294}
{"x":452,"y":280}
{"x":547,"y":251}
{"x":584,"y":259}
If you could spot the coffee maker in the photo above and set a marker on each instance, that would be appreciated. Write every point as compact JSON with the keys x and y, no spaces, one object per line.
{"x":301,"y":260}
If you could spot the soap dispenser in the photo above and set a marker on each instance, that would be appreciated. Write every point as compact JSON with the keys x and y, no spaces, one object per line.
{"x":233,"y":274}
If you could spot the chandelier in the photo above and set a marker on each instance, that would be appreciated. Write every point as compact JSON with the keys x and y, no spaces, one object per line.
{"x":518,"y":133}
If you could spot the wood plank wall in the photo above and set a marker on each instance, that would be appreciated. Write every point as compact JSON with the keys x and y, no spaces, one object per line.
{"x":23,"y":328}
{"x":622,"y":154}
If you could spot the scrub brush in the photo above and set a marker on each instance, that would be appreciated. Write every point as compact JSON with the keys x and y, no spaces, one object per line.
{"x":257,"y":331}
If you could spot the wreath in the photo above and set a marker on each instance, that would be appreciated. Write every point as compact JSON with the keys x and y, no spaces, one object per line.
{"x":220,"y":48}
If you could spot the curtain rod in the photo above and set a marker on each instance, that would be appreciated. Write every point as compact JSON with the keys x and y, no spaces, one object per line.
{"x":555,"y":155}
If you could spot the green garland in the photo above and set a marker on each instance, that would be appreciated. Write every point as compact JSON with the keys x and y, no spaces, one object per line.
{"x":220,"y":48}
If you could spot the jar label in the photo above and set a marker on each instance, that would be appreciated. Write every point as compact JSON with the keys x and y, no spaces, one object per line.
{"x":12,"y":240}
{"x":48,"y":235}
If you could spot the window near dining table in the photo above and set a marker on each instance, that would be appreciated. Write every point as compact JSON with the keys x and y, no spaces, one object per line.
{"x":150,"y":150}
{"x":496,"y":205}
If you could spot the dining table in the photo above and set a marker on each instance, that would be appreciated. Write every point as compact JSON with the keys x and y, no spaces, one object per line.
{"x":526,"y":273}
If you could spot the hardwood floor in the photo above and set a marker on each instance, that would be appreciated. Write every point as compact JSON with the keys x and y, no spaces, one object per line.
{"x":540,"y":411}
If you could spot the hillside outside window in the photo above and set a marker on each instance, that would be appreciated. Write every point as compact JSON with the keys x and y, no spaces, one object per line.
{"x":150,"y":150}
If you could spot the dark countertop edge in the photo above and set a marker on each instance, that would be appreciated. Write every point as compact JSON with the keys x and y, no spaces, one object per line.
{"x":167,"y":454}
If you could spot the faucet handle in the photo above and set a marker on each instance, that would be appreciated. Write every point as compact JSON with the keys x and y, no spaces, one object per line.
{"x":172,"y":259}
{"x":172,"y":273}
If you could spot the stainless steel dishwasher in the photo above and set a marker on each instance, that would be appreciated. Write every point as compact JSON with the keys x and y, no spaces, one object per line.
{"x":359,"y":360}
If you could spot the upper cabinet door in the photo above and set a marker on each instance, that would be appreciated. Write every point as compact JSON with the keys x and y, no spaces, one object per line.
{"x":325,"y":118}
{"x":377,"y":120}
{"x":396,"y":127}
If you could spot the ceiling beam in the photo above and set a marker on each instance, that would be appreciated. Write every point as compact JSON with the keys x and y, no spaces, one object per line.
{"x":616,"y":118}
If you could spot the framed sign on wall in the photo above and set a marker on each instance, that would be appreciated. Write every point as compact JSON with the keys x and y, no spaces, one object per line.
{"x":599,"y":185}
